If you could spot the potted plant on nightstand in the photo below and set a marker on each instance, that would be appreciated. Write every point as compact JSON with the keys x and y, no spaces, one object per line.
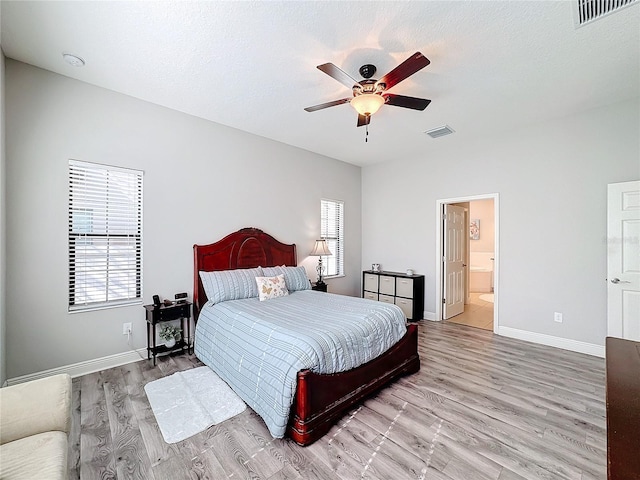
{"x":170,"y":334}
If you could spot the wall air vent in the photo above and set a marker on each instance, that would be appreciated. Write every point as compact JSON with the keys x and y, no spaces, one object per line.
{"x":587,"y":11}
{"x":440,"y":131}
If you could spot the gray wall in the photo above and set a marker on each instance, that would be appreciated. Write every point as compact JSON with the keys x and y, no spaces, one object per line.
{"x":552,"y":181}
{"x":202,"y":181}
{"x":3,"y":203}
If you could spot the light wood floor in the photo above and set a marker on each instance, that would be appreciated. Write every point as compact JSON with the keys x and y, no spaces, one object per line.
{"x":477,"y":313}
{"x":481,"y":407}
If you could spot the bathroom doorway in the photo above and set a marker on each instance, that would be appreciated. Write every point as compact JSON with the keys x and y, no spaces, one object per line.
{"x":473,"y":288}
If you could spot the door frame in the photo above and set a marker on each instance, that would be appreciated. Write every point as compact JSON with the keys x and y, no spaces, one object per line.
{"x":440,"y":251}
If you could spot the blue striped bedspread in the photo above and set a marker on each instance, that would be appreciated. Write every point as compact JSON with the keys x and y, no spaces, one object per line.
{"x":259,"y":347}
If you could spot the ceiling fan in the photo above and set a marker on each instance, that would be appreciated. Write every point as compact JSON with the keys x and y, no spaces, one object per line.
{"x":370,"y":94}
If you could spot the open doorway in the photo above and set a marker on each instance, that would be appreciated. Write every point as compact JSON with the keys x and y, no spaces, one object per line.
{"x":467,"y":259}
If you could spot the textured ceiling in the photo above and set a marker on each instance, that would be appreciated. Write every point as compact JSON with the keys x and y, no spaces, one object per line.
{"x":495,"y":66}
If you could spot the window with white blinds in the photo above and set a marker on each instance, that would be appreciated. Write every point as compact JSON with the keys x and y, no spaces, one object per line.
{"x":105,"y":236}
{"x":332,"y":230}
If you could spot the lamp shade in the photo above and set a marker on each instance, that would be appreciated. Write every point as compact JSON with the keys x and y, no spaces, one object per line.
{"x":367,"y":103}
{"x":320,"y":248}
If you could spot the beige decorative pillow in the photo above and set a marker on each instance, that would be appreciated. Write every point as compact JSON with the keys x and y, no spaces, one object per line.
{"x":271,"y":287}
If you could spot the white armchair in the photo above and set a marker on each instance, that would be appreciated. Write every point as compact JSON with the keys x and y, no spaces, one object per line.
{"x":35,"y":419}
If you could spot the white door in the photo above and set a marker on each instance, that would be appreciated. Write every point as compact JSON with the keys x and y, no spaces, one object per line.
{"x":623,"y":259}
{"x":455,"y":230}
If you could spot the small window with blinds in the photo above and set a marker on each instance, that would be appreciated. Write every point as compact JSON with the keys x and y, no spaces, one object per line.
{"x":332,"y":230}
{"x":105,"y":236}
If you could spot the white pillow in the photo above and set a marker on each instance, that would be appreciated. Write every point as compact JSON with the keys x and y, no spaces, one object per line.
{"x":271,"y":287}
{"x":225,"y":285}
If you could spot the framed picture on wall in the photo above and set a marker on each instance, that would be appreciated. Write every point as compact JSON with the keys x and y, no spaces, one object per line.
{"x":474,"y":229}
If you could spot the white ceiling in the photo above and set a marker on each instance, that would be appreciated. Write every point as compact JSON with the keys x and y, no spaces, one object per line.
{"x":495,"y":66}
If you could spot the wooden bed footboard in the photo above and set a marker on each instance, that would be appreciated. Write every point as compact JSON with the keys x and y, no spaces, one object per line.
{"x":321,"y":399}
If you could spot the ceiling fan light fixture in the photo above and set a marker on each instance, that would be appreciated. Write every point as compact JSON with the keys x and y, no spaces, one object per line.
{"x":367,"y":103}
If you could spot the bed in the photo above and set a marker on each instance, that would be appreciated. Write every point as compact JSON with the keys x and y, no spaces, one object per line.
{"x":319,"y":400}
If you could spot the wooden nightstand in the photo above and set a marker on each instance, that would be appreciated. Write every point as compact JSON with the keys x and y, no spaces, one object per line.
{"x":164,"y":313}
{"x":319,"y":287}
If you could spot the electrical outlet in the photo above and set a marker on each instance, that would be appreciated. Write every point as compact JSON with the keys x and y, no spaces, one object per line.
{"x":557,"y":317}
{"x":126,"y":328}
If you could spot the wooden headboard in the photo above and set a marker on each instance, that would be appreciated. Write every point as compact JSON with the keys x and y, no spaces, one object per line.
{"x":246,"y":248}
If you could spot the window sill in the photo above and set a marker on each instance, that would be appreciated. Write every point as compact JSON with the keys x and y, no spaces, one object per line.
{"x":103,"y":306}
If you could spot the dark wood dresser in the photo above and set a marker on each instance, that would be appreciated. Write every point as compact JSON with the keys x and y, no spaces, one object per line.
{"x":623,"y":409}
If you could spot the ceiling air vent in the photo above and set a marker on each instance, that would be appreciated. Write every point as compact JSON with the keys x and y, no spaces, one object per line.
{"x":440,"y":131}
{"x":587,"y":11}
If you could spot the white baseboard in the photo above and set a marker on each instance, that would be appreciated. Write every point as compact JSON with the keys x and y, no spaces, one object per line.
{"x":558,"y":342}
{"x":83,"y":368}
{"x":430,"y":316}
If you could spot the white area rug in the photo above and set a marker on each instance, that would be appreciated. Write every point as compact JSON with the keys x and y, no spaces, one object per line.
{"x":189,"y":402}
{"x":487,"y":297}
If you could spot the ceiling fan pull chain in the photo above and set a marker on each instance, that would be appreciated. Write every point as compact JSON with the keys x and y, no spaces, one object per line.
{"x":366,"y":128}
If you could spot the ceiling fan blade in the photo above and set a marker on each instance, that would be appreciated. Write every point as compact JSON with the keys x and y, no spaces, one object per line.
{"x":328,"y":104}
{"x":333,"y":71}
{"x":364,"y":120}
{"x":406,"y":102}
{"x":407,"y":68}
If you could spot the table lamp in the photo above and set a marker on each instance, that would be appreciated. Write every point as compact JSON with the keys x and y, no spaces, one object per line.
{"x":320,"y":249}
